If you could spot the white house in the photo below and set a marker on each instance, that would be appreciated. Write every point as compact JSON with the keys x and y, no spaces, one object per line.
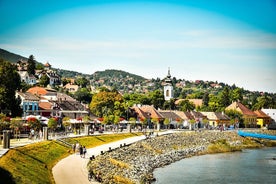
{"x":271,"y":113}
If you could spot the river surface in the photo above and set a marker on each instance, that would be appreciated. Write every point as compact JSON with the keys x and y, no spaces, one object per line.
{"x":248,"y":166}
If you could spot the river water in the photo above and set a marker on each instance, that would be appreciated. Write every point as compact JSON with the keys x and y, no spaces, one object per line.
{"x":248,"y":166}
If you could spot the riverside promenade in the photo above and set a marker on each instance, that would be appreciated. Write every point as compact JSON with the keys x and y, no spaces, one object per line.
{"x":73,"y":169}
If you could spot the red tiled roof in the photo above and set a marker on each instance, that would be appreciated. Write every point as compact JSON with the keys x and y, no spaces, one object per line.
{"x":45,"y":105}
{"x":197,"y":102}
{"x":150,"y":109}
{"x":184,"y":115}
{"x":240,"y":107}
{"x":37,"y":91}
{"x":170,"y":115}
{"x":261,"y":114}
{"x":141,"y":114}
{"x":47,"y":64}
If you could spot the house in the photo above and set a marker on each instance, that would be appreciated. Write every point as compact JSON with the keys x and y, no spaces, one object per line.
{"x":29,"y":103}
{"x":196,"y":102}
{"x":271,"y":113}
{"x":187,"y":117}
{"x":154,"y":114}
{"x":217,"y":118}
{"x":54,"y":78}
{"x":248,"y":116}
{"x":27,"y":78}
{"x":38,"y":91}
{"x":71,"y":88}
{"x":175,"y":120}
{"x":45,"y":107}
{"x":262,"y":118}
{"x":47,"y":66}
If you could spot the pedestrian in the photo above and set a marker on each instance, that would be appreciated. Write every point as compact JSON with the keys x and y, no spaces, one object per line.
{"x":74,"y":147}
{"x":77,"y":147}
{"x":81,"y":150}
{"x":84,"y":151}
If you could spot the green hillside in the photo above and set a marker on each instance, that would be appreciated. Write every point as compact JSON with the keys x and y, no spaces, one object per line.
{"x":113,"y":74}
{"x":11,"y":57}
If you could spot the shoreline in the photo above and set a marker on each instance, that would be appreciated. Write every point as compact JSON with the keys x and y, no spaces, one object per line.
{"x":135,"y":163}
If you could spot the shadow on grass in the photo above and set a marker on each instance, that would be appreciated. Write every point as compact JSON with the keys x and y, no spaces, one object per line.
{"x":100,"y":139}
{"x":6,"y":176}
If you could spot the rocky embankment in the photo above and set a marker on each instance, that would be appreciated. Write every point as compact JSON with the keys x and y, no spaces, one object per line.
{"x":135,"y":163}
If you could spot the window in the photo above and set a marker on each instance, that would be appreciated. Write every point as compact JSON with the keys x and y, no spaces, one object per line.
{"x":167,"y":93}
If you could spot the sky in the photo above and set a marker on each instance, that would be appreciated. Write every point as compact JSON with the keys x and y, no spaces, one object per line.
{"x":230,"y":41}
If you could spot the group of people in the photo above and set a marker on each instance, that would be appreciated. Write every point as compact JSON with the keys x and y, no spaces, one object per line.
{"x":77,"y":148}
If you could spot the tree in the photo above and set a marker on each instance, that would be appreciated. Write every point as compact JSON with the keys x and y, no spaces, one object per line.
{"x":34,"y":123}
{"x":31,"y":65}
{"x":16,"y":124}
{"x":66,"y":122}
{"x":4,"y":122}
{"x":263,"y":102}
{"x":83,"y":95}
{"x":186,"y":105}
{"x":213,"y":103}
{"x":132,"y":121}
{"x":157,"y":99}
{"x":166,"y":122}
{"x":107,"y":103}
{"x":155,"y":121}
{"x":44,"y":80}
{"x":234,"y":115}
{"x":169,"y":105}
{"x":205,"y":98}
{"x":224,"y":97}
{"x":52,"y":124}
{"x":65,"y":81}
{"x":82,"y":82}
{"x":9,"y":83}
{"x":236,"y":95}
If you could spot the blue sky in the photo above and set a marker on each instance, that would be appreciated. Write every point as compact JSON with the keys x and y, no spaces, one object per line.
{"x":231,"y":41}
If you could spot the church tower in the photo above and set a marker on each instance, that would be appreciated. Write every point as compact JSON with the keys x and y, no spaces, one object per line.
{"x":168,"y":87}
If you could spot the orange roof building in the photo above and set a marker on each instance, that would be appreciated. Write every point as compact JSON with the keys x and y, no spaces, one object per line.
{"x":249,"y":117}
{"x":37,"y":91}
{"x":262,"y":118}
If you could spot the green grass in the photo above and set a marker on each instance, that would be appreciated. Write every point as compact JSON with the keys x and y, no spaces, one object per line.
{"x":92,"y":141}
{"x":33,"y":163}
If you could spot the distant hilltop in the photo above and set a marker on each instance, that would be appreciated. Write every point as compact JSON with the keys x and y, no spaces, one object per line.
{"x":126,"y":82}
{"x":11,"y":57}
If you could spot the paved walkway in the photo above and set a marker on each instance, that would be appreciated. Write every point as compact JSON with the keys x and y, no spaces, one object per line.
{"x":73,"y":169}
{"x":15,"y":143}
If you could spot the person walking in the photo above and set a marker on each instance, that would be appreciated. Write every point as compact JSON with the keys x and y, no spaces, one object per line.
{"x":81,"y":151}
{"x":84,"y":151}
{"x":74,"y":147}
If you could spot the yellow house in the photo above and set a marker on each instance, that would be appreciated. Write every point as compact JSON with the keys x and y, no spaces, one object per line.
{"x":217,"y":118}
{"x":249,"y":117}
{"x":262,"y":118}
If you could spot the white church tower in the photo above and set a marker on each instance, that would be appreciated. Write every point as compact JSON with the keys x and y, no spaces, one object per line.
{"x":168,"y":87}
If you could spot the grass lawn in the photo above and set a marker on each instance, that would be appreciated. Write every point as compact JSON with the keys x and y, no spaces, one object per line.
{"x":33,"y":163}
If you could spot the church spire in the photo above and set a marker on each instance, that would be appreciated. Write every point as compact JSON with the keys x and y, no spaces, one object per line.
{"x":169,"y":73}
{"x":168,"y":87}
{"x":168,"y":78}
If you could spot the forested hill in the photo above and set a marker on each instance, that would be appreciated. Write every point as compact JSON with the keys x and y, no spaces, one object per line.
{"x":117,"y":74}
{"x":107,"y":74}
{"x":11,"y":57}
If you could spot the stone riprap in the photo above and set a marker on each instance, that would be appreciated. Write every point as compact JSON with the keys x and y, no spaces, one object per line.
{"x":135,"y":163}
